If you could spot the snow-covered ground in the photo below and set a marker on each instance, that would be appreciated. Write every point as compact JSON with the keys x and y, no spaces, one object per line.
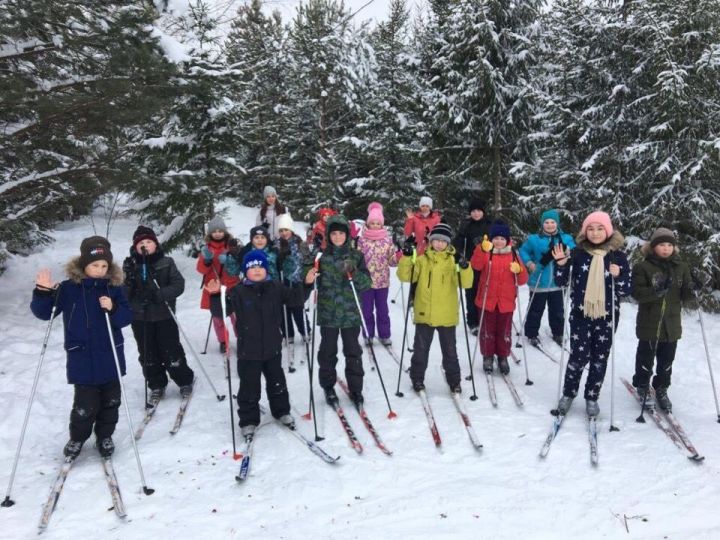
{"x":644,"y":487}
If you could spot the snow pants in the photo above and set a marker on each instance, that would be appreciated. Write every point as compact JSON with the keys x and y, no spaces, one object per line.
{"x":161,"y":353}
{"x":328,"y":359}
{"x":423,"y":339}
{"x":554,"y":301}
{"x":94,"y":406}
{"x":495,"y":334}
{"x":250,"y":372}
{"x":375,"y":306}
{"x":645,"y":358}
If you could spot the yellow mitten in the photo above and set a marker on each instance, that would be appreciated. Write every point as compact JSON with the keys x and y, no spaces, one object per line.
{"x":486,"y":244}
{"x":515,"y":267}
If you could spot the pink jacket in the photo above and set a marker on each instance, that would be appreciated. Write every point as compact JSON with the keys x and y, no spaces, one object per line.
{"x":379,"y":257}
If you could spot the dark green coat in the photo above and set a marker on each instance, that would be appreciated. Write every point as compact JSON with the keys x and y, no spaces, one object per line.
{"x":336,"y":303}
{"x":655,"y":270}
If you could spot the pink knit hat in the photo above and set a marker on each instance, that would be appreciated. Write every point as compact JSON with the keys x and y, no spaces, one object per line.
{"x":598,"y":217}
{"x":375,"y":213}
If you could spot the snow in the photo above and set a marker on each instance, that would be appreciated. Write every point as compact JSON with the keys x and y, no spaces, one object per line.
{"x":643,"y":488}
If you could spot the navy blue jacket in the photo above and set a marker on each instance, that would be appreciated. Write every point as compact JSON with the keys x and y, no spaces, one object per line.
{"x":89,"y":354}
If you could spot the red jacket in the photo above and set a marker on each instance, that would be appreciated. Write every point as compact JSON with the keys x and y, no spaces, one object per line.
{"x":501,"y":285}
{"x":215,"y":270}
{"x":421,"y":226}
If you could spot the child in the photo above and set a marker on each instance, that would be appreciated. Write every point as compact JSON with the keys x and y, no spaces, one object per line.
{"x":212,"y":264}
{"x":270,"y":211}
{"x":258,"y":304}
{"x":260,"y":239}
{"x":502,"y":270}
{"x":293,"y":256}
{"x":436,"y":302}
{"x":595,"y":264}
{"x":153,"y":283}
{"x":536,"y":253}
{"x":661,"y":284}
{"x":316,"y":236}
{"x":379,"y":253}
{"x":419,"y":224}
{"x":337,"y":311}
{"x":93,"y":288}
{"x":471,"y":233}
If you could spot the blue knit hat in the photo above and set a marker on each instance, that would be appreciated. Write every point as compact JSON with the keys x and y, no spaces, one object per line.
{"x":550,"y":214}
{"x":255,"y":258}
{"x":500,"y":228}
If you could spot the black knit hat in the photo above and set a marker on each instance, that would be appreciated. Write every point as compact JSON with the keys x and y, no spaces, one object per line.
{"x":660,"y":235}
{"x":144,"y":233}
{"x":95,"y":248}
{"x":259,"y":231}
{"x":476,"y":204}
{"x":441,"y":231}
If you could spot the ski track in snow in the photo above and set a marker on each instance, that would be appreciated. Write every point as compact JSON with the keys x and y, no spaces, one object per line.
{"x":502,"y":492}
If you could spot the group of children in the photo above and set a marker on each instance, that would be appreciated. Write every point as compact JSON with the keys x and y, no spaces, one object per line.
{"x":269,"y":280}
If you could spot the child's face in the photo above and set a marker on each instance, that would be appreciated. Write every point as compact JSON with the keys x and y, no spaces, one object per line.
{"x":477,"y":214}
{"x":664,"y":250}
{"x":595,"y":233}
{"x":338,"y":238}
{"x":256,"y":273}
{"x":285,"y":234}
{"x":148,"y":244}
{"x":270,"y":199}
{"x":438,"y":245}
{"x":217,"y":235}
{"x":424,"y":209}
{"x":259,"y":241}
{"x":549,"y":226}
{"x":499,"y":242}
{"x":374,"y":225}
{"x":96,"y":269}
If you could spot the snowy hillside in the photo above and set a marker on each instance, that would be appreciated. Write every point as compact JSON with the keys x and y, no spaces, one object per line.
{"x":644,"y":487}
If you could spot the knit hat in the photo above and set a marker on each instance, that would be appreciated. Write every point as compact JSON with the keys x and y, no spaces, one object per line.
{"x":476,"y":204}
{"x":216,"y":224}
{"x":598,"y":217}
{"x":426,"y":201}
{"x":259,"y":230}
{"x":144,"y":233}
{"x":269,"y":190}
{"x":285,"y":222}
{"x":660,"y":235}
{"x":253,"y":259}
{"x":500,"y":228}
{"x":338,"y":223}
{"x":95,"y":248}
{"x":550,"y":214}
{"x":375,"y":213}
{"x":441,"y":231}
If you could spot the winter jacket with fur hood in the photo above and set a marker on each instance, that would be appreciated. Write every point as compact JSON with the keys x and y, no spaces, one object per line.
{"x":87,"y":343}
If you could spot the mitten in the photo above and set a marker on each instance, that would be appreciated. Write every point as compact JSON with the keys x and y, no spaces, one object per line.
{"x":486,"y":244}
{"x":207,"y":255}
{"x":222,"y":258}
{"x":546,"y":258}
{"x":515,"y":267}
{"x":348,"y":266}
{"x":409,"y":246}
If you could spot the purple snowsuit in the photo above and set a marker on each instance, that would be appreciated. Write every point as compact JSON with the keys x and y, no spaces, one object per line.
{"x":379,"y":257}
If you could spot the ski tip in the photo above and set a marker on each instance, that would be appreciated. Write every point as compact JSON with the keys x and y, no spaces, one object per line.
{"x":392,"y":414}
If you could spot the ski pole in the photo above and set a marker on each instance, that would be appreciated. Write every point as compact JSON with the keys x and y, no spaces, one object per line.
{"x":641,"y":418}
{"x":612,"y":357}
{"x":207,"y":337}
{"x":223,"y":304}
{"x":7,"y":502}
{"x":488,"y":269}
{"x":311,"y":357}
{"x":528,"y":382}
{"x":190,"y":345}
{"x":566,"y":332}
{"x":398,"y":393}
{"x":143,"y":251}
{"x":146,"y":490}
{"x":461,"y":292}
{"x":392,"y":413}
{"x":286,"y":328}
{"x":707,"y":355}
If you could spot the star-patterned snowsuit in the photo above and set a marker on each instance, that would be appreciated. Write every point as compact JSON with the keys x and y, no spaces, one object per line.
{"x":591,"y":339}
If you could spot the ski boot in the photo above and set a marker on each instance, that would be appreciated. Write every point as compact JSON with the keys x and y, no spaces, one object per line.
{"x":418,"y":386}
{"x":72,"y":449}
{"x":455,"y":388}
{"x":649,"y":401}
{"x":186,"y":391}
{"x":156,"y":394}
{"x":357,"y":399}
{"x":564,"y":405}
{"x":592,"y":408}
{"x":386,"y":341}
{"x":106,"y":447}
{"x":503,"y":365}
{"x":287,"y":420}
{"x":248,"y":431}
{"x":223,"y":347}
{"x":535,"y":342}
{"x":331,"y":397}
{"x":663,"y":400}
{"x":488,"y":364}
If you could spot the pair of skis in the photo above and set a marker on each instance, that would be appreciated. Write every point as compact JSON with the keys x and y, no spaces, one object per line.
{"x":463,"y":416}
{"x":592,"y":437}
{"x":150,"y":413}
{"x":669,"y":425}
{"x":52,"y":500}
{"x":490,"y":379}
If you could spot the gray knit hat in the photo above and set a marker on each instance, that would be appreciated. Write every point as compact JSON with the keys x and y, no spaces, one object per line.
{"x":660,"y":235}
{"x":441,"y":231}
{"x":216,"y":224}
{"x":269,"y":190}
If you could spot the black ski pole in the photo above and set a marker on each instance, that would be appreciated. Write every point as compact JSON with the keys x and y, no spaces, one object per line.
{"x":398,"y":393}
{"x":528,"y":382}
{"x":223,"y":304}
{"x":461,"y":291}
{"x":311,"y":357}
{"x":207,"y":337}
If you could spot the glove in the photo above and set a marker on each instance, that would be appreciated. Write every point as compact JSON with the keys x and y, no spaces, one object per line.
{"x":661,"y":284}
{"x":207,"y":255}
{"x":546,"y":258}
{"x":461,"y":261}
{"x":233,"y":246}
{"x":130,"y":270}
{"x":266,"y":225}
{"x":515,"y":267}
{"x":409,"y":246}
{"x":222,"y":258}
{"x":486,"y":244}
{"x":348,"y":266}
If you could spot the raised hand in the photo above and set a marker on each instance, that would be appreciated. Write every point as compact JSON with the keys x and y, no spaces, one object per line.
{"x":43,"y":279}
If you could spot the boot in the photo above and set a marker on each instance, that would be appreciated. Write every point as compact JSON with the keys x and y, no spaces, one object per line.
{"x":156,"y":394}
{"x":592,"y":408}
{"x":474,"y":330}
{"x":455,"y":388}
{"x":72,"y":449}
{"x":287,"y":420}
{"x":248,"y":431}
{"x":649,"y":401}
{"x":662,"y":399}
{"x":331,"y":397}
{"x":357,"y":399}
{"x":418,"y":386}
{"x":558,"y":340}
{"x":503,"y":365}
{"x":488,"y":364}
{"x":535,"y":342}
{"x":223,"y":347}
{"x":386,"y":341}
{"x":186,"y":391}
{"x":106,"y":447}
{"x":564,"y":404}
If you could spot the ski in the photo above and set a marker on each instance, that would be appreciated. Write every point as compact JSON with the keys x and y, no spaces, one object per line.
{"x":683,"y":436}
{"x":592,"y":437}
{"x":491,"y":389}
{"x":55,"y":492}
{"x":664,"y":423}
{"x":354,"y":442}
{"x":181,"y":414}
{"x":557,"y":423}
{"x":114,"y":487}
{"x":149,"y":413}
{"x":430,"y":418}
{"x":363,"y":415}
{"x":246,"y":454}
{"x":392,"y":353}
{"x":513,"y":390}
{"x":312,"y":446}
{"x":547,"y":354}
{"x":466,"y":421}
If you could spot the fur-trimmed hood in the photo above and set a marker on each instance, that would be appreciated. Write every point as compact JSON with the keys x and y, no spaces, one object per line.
{"x":646,"y":250}
{"x":76,"y":274}
{"x":614,"y":243}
